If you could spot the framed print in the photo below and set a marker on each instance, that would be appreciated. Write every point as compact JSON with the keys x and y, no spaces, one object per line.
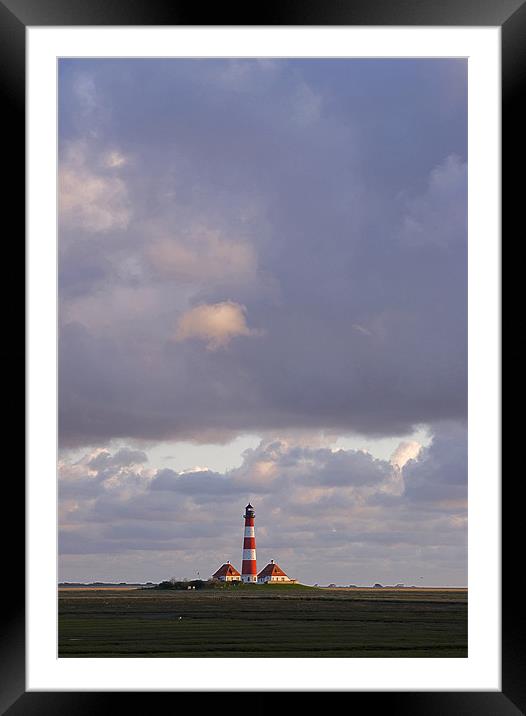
{"x":263,"y":375}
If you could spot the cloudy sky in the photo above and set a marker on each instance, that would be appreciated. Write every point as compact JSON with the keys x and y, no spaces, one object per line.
{"x":263,"y":296}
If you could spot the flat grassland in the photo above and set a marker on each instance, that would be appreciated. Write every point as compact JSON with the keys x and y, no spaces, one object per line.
{"x":263,"y":621}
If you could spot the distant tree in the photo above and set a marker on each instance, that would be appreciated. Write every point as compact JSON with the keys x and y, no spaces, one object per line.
{"x":194,"y":584}
{"x":167,"y":584}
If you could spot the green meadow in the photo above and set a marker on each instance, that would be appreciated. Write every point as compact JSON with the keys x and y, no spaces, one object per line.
{"x":263,"y":621}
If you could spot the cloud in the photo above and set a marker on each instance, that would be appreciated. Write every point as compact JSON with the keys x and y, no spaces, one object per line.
{"x":439,"y":476}
{"x":85,"y":92}
{"x":446,"y":196}
{"x":100,"y":311}
{"x":407,"y":450}
{"x":90,"y":201}
{"x":361,"y":329}
{"x":203,"y":256}
{"x":122,"y":458}
{"x":115,"y":159}
{"x":335,"y":239}
{"x":234,"y":75}
{"x":307,"y":105}
{"x":323,"y":515}
{"x":216,"y":324}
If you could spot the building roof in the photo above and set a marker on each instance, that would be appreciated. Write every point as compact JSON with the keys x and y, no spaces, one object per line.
{"x":226,"y":570}
{"x":272,"y":570}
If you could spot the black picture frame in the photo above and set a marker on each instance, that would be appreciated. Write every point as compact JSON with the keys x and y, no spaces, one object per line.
{"x":15,"y":16}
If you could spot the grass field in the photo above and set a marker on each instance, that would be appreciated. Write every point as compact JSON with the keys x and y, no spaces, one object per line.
{"x":263,"y":621}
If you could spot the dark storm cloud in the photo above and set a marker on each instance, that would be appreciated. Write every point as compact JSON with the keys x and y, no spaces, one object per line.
{"x":326,"y":200}
{"x":204,"y":483}
{"x":124,"y":456}
{"x":441,"y":473}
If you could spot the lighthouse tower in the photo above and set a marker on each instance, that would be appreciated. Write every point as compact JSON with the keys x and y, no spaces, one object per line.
{"x":248,"y":569}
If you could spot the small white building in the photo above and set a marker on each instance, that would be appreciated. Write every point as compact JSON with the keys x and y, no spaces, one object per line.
{"x":273,"y":573}
{"x":227,"y":573}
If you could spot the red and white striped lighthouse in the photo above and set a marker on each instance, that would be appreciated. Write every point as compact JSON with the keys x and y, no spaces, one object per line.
{"x":249,"y":571}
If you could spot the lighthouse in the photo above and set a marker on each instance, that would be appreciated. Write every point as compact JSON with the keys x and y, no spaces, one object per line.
{"x":248,"y":569}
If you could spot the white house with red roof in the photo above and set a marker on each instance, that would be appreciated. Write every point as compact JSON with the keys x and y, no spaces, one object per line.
{"x":273,"y":573}
{"x":227,"y":573}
